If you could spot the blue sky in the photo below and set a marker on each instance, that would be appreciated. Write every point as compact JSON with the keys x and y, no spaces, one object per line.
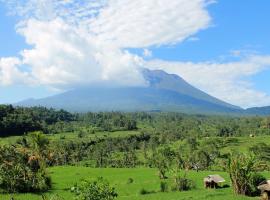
{"x":237,"y":31}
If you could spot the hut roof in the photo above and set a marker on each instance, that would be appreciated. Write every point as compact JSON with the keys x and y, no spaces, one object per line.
{"x":264,"y":186}
{"x":216,"y":178}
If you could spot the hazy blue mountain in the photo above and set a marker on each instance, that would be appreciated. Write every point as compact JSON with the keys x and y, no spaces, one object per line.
{"x":162,"y":80}
{"x":258,"y":110}
{"x":166,"y":92}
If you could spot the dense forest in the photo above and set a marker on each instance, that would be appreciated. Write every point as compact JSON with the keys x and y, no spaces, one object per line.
{"x":20,"y":120}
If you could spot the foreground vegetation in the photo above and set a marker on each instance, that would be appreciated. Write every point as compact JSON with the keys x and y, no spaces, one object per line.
{"x":143,"y":178}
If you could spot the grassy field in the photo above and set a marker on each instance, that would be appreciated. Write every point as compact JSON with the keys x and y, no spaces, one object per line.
{"x":65,"y":177}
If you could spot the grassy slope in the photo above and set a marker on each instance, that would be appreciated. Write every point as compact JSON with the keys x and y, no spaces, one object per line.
{"x":65,"y":177}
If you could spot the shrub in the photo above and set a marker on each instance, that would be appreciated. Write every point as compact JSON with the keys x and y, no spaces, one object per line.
{"x":242,"y":170}
{"x":22,"y":170}
{"x":62,"y":137}
{"x":182,"y":183}
{"x":98,"y":189}
{"x":130,"y":180}
{"x":144,"y":191}
{"x":81,"y":134}
{"x":255,"y":180}
{"x":163,"y":186}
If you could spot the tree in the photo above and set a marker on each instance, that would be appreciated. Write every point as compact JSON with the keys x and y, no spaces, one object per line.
{"x":39,"y":141}
{"x":262,"y":151}
{"x":163,"y":159}
{"x":242,"y":169}
{"x":22,"y":170}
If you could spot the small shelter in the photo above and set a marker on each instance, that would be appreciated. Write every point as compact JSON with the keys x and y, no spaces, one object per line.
{"x":212,"y":181}
{"x":265,"y":190}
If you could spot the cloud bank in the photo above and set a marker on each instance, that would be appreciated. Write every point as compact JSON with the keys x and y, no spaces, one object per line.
{"x":228,"y":81}
{"x":74,"y":42}
{"x":81,"y":42}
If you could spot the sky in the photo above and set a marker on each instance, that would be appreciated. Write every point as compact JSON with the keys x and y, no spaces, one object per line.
{"x":220,"y":46}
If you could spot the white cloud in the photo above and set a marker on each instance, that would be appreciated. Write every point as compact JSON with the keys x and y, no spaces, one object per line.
{"x":140,"y":23}
{"x":10,"y":72}
{"x":226,"y":81}
{"x":80,"y":42}
{"x":64,"y":56}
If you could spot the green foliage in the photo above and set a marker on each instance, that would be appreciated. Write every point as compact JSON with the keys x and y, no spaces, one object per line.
{"x":23,"y":166}
{"x":130,"y":180}
{"x":242,"y":170}
{"x":163,"y":186}
{"x":143,"y":191}
{"x":22,"y":170}
{"x":38,"y":141}
{"x":163,"y":159}
{"x":181,"y":182}
{"x":81,"y":134}
{"x":255,"y":180}
{"x":262,"y":151}
{"x":19,"y":120}
{"x":111,"y":121}
{"x":98,"y":189}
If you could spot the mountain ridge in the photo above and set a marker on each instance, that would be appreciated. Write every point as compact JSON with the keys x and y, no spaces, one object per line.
{"x":165,"y":92}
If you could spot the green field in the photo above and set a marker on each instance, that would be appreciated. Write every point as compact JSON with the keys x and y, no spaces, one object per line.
{"x":65,"y":177}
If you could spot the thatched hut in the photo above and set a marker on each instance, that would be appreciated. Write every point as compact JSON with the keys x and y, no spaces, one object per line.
{"x":212,"y":181}
{"x":265,"y":190}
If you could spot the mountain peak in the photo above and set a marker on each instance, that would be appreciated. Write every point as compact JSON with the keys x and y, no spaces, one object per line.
{"x":165,"y":92}
{"x":162,"y":80}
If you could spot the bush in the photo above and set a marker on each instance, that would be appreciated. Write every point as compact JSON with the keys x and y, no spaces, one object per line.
{"x":22,"y":170}
{"x":81,"y":134}
{"x":144,"y":191}
{"x":163,"y":186}
{"x":62,"y":137}
{"x":98,"y":189}
{"x":130,"y":180}
{"x":243,"y":173}
{"x":255,"y":180}
{"x":182,"y":183}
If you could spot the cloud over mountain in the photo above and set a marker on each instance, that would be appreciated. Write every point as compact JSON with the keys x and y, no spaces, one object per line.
{"x":75,"y":42}
{"x":228,"y":80}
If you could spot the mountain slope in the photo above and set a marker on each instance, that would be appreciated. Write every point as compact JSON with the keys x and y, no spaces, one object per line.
{"x":162,"y":80}
{"x":128,"y":99}
{"x":165,"y":92}
{"x":258,"y":110}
